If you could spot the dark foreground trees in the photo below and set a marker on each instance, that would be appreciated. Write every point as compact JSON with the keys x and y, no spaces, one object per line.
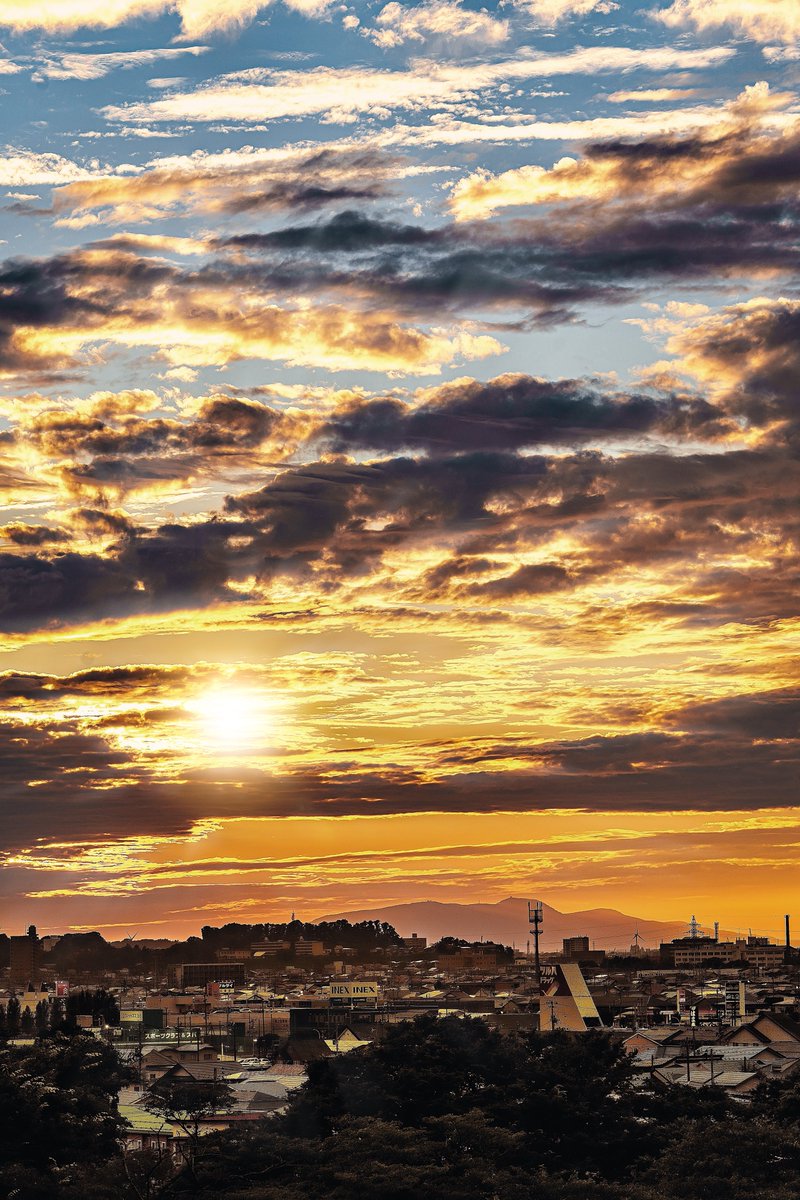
{"x":451,"y":1110}
{"x":437,"y":1110}
{"x":57,"y":1115}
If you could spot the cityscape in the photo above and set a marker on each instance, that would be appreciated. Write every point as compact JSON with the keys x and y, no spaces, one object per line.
{"x":217,"y":1035}
{"x":399,"y":600}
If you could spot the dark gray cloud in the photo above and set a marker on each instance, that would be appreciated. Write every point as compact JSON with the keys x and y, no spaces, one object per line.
{"x":21,"y":534}
{"x":335,"y":519}
{"x":738,"y":753}
{"x":93,"y":681}
{"x":513,"y":411}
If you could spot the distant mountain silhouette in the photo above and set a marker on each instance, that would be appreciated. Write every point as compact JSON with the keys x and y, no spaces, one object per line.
{"x":507,"y":922}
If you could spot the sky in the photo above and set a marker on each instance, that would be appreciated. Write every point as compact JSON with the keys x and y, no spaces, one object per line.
{"x":398,"y":458}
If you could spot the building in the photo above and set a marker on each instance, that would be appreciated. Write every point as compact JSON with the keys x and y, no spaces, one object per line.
{"x":26,"y":959}
{"x":566,"y":1002}
{"x":187,"y":975}
{"x":472,"y":958}
{"x":269,"y":949}
{"x":756,"y":952}
{"x":306,"y":948}
{"x":767,"y":1029}
{"x":702,"y":947}
{"x":415,"y":943}
{"x":576,"y":949}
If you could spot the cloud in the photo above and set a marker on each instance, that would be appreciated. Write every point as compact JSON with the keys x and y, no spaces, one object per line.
{"x":762,"y":20}
{"x":128,"y":682}
{"x":736,"y":754}
{"x":734,"y":160}
{"x":362,"y":291}
{"x":524,"y":523}
{"x":21,"y":534}
{"x":651,"y":95}
{"x":512,"y":412}
{"x":55,"y":309}
{"x":441,"y":21}
{"x":97,"y":66}
{"x":248,"y":181}
{"x":748,"y":355}
{"x":550,"y":12}
{"x":92,"y":446}
{"x":771,"y":716}
{"x":28,"y":167}
{"x":264,"y":94}
{"x":199,"y":18}
{"x":450,"y":130}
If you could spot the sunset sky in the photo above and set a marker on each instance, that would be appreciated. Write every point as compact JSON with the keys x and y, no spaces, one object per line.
{"x":399,"y":458}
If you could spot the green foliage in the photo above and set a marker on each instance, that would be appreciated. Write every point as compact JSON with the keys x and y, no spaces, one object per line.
{"x":57,"y":1114}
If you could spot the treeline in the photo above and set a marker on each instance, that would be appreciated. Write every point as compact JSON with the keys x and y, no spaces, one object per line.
{"x":87,"y":953}
{"x":438,"y":1110}
{"x":452,"y":945}
{"x":364,"y":936}
{"x":56,"y":1014}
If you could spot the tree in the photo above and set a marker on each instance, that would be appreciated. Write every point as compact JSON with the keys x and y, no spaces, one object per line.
{"x":425,"y":1068}
{"x":742,"y":1158}
{"x":13,"y":1016}
{"x":185,"y":1103}
{"x":42,"y":1017}
{"x":574,"y":1098}
{"x":57,"y":1114}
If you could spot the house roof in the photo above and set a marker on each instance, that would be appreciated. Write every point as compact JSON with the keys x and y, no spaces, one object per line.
{"x":785,"y":1024}
{"x":139,"y":1120}
{"x":346,"y":1041}
{"x":202,"y":1072}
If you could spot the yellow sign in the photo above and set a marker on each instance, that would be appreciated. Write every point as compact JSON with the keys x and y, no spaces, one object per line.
{"x":353,"y":991}
{"x":131,"y":1016}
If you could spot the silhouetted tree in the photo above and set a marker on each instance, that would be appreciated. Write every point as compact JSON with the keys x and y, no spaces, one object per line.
{"x":57,"y":1114}
{"x":42,"y":1017}
{"x":13,"y":1016}
{"x":185,"y":1103}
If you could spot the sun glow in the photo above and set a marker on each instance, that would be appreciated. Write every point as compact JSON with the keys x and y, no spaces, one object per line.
{"x":234,"y":718}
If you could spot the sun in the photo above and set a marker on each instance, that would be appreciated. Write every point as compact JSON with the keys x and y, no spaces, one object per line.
{"x":233,"y":718}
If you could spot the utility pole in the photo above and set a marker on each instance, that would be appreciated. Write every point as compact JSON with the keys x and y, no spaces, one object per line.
{"x":535,"y":918}
{"x":139,"y":1054}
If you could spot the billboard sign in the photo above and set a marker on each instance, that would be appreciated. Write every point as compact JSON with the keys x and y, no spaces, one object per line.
{"x":62,"y":988}
{"x":222,"y":989}
{"x":131,"y":1016}
{"x":353,"y":991}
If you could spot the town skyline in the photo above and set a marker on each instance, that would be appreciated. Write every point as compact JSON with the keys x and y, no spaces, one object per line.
{"x":503,"y":922}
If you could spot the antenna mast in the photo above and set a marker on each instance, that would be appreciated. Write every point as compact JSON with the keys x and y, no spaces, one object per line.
{"x":535,"y":918}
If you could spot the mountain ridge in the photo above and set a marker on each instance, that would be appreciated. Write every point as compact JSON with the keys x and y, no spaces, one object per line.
{"x":506,"y":921}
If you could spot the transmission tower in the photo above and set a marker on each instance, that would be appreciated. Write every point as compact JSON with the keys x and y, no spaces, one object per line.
{"x":535,"y":919}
